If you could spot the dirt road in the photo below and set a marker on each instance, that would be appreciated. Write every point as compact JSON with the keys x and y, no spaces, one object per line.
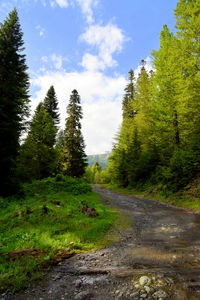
{"x":157,"y":257}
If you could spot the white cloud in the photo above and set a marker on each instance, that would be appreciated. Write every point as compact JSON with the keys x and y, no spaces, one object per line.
{"x":61,"y":3}
{"x":92,"y":63}
{"x":86,"y":7}
{"x":55,"y":61}
{"x":40,"y":29}
{"x":101,"y":98}
{"x":108,"y":40}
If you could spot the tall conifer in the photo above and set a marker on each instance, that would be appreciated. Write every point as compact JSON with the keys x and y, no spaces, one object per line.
{"x":51,"y":105}
{"x":14,"y":100}
{"x":37,"y":155}
{"x":75,"y":157}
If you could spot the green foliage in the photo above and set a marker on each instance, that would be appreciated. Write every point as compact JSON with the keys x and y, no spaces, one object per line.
{"x":74,"y":147}
{"x":159,"y":138}
{"x":59,"y":149}
{"x":51,"y":105}
{"x":37,"y":155}
{"x":54,"y":185}
{"x":35,"y":231}
{"x":14,"y":99}
{"x":102,"y":159}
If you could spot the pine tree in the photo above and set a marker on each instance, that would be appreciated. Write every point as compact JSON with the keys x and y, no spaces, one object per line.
{"x":14,"y":100}
{"x":51,"y":105}
{"x":37,"y":155}
{"x":75,"y":157}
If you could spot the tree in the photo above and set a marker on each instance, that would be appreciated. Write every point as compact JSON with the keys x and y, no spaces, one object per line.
{"x":96,"y":172}
{"x":59,"y":147}
{"x":129,"y":97}
{"x":51,"y":105}
{"x":37,"y":155}
{"x":74,"y":153}
{"x":166,"y":82}
{"x":14,"y":99}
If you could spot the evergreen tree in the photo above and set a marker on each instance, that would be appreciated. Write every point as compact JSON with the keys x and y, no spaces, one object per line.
{"x":129,"y":97}
{"x":96,"y":172}
{"x":59,"y":147}
{"x":37,"y":155}
{"x":75,"y":157}
{"x":51,"y":105}
{"x":14,"y":100}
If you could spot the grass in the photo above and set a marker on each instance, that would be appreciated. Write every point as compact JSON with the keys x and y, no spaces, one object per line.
{"x":45,"y":227}
{"x":187,"y":198}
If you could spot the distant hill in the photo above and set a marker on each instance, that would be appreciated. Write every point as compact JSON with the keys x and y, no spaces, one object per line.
{"x":102,"y":159}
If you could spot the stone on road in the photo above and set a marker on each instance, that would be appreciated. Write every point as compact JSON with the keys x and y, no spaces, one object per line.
{"x":157,"y":257}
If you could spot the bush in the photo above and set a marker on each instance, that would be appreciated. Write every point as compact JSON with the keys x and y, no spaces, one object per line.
{"x":182,"y":167}
{"x":56,"y":184}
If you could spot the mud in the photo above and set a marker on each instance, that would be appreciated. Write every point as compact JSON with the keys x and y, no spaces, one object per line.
{"x":162,"y":242}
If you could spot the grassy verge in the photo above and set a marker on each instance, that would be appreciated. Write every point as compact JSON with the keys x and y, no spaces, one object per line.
{"x":187,"y":198}
{"x":46,"y":226}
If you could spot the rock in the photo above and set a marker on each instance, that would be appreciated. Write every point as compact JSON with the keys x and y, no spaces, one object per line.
{"x":160,"y":294}
{"x":147,"y":289}
{"x":160,"y":283}
{"x":135,"y":294}
{"x":85,"y":295}
{"x":169,"y":280}
{"x":143,"y":296}
{"x":137,"y":286}
{"x":144,"y":280}
{"x":77,"y":283}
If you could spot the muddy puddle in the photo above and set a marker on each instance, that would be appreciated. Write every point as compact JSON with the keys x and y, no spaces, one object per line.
{"x":161,"y":243}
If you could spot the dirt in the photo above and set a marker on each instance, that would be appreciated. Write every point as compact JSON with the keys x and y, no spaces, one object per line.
{"x":162,"y":242}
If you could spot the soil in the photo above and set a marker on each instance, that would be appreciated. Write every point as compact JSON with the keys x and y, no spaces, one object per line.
{"x":162,"y":242}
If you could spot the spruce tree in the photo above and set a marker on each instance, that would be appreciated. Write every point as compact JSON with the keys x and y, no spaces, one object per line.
{"x":59,"y":147}
{"x":14,"y":100}
{"x":75,"y":157}
{"x":37,"y":155}
{"x":129,"y":97}
{"x":51,"y":105}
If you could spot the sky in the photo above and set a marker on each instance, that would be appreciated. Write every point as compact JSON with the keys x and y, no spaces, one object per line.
{"x":89,"y":45}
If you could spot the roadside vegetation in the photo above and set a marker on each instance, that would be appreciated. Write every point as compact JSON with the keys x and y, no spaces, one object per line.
{"x":157,"y":148}
{"x":47,"y":225}
{"x":186,"y":198}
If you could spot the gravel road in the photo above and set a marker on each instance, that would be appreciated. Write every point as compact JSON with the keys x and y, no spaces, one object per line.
{"x":157,"y":257}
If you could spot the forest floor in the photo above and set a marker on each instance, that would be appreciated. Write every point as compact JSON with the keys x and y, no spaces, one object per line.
{"x":156,"y":257}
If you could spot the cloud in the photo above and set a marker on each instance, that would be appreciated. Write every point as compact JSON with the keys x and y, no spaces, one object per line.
{"x":60,"y":3}
{"x":86,"y":7}
{"x":41,"y":30}
{"x":55,"y":60}
{"x":108,"y":40}
{"x":101,"y":98}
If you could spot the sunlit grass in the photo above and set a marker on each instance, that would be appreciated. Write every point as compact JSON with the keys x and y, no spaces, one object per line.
{"x":46,"y":224}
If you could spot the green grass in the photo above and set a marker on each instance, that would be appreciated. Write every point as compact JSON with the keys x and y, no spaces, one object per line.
{"x":183,"y":198}
{"x":36,"y":231}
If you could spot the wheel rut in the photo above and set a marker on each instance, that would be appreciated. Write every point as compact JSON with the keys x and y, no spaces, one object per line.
{"x":162,"y":243}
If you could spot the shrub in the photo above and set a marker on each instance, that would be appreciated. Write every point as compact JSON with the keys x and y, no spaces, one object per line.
{"x":56,"y":184}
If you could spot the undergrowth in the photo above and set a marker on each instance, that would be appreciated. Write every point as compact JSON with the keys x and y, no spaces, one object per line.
{"x":45,"y":225}
{"x":188,"y":197}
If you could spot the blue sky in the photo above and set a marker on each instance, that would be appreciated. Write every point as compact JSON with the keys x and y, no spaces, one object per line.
{"x":89,"y":45}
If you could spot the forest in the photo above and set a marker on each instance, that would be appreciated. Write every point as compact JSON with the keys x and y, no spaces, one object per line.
{"x":157,"y":148}
{"x":158,"y":143}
